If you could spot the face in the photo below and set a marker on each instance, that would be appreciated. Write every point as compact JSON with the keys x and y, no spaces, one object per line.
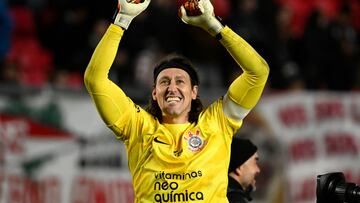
{"x":248,"y":172}
{"x":173,"y":93}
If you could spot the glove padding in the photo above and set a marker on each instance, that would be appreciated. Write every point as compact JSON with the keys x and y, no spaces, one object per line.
{"x":128,"y":10}
{"x":206,"y":20}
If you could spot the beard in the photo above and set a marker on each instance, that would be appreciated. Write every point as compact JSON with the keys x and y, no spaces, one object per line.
{"x":171,"y":112}
{"x":250,"y":188}
{"x":176,"y":110}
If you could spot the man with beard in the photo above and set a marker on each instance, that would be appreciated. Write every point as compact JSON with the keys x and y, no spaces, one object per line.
{"x":243,"y":169}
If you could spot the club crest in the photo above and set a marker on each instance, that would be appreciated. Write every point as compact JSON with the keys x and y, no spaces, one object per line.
{"x":195,"y":142}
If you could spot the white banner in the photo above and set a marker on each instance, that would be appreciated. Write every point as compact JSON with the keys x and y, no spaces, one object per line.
{"x":40,"y":164}
{"x":319,"y":133}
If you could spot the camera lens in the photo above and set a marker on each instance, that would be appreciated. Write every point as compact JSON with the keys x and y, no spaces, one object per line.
{"x":332,"y":188}
{"x":352,"y":193}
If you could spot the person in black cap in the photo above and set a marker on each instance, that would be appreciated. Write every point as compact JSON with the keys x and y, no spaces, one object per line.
{"x":177,"y":150}
{"x":243,"y":169}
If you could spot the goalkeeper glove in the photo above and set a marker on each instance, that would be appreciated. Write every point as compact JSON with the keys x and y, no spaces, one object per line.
{"x":128,"y":10}
{"x":206,"y":18}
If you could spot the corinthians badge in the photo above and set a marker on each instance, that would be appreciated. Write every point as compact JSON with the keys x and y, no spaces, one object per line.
{"x":195,"y":142}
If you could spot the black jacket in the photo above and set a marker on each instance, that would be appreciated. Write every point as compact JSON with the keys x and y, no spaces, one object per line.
{"x":235,"y":192}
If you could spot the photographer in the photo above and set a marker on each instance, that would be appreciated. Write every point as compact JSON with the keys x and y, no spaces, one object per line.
{"x":243,"y":170}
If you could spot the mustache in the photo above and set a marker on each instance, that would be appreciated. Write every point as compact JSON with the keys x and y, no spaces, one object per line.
{"x":172,"y":93}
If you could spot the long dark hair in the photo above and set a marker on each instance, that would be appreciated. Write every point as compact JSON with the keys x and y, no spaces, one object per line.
{"x":196,"y":104}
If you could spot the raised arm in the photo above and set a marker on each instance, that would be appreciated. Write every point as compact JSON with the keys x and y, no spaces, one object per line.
{"x":245,"y":91}
{"x":110,"y":100}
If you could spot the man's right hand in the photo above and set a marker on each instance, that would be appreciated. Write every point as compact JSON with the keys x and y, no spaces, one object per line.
{"x":127,"y":10}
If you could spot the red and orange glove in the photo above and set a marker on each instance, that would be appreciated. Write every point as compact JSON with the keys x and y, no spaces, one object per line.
{"x":200,"y":13}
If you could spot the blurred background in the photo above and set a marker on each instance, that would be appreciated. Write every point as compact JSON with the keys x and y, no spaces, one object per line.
{"x":54,"y":148}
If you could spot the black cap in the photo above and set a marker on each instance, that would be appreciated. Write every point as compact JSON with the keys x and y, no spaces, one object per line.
{"x":241,"y":151}
{"x":177,"y":61}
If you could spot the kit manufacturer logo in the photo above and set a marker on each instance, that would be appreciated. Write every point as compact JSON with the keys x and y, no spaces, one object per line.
{"x":156,"y":139}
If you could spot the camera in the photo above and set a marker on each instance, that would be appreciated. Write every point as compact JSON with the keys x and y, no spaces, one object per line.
{"x":332,"y":188}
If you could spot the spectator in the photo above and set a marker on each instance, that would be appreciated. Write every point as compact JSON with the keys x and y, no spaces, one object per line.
{"x":243,"y":169}
{"x":5,"y":29}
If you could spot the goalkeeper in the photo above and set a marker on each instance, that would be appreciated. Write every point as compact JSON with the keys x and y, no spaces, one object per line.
{"x":177,"y":150}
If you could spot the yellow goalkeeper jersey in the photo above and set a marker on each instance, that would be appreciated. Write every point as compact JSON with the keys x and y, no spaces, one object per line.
{"x":177,"y":162}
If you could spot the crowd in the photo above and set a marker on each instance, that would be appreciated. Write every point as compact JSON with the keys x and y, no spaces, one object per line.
{"x":313,"y":45}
